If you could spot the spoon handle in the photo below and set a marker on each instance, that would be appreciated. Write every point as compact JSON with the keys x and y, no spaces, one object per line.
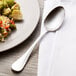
{"x":20,"y":63}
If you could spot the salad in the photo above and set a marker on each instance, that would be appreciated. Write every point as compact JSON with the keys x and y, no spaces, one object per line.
{"x":9,"y":13}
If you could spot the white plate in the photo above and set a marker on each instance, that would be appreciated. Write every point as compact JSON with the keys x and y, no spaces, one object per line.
{"x":31,"y":13}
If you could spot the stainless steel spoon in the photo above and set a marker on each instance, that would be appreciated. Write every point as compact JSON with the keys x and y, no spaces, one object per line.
{"x":52,"y":22}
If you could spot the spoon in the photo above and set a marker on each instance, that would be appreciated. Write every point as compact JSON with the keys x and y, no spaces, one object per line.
{"x":52,"y":22}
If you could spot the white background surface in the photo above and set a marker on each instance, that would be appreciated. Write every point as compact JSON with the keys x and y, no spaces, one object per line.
{"x":57,"y":53}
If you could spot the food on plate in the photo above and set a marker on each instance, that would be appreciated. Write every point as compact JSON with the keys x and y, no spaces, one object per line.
{"x":15,"y":7}
{"x":11,"y":9}
{"x":1,"y":4}
{"x":16,"y":15}
{"x":6,"y":11}
{"x":6,"y":26}
{"x":10,"y":2}
{"x":5,"y":4}
{"x":9,"y":12}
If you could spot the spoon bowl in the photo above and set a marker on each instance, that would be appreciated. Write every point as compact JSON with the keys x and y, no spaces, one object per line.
{"x":54,"y":19}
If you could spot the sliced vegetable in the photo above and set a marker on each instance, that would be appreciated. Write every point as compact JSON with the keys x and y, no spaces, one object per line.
{"x":1,"y":4}
{"x":12,"y":26}
{"x":5,"y":4}
{"x":6,"y":11}
{"x":0,"y":22}
{"x":15,"y":7}
{"x":16,"y":15}
{"x":10,"y":2}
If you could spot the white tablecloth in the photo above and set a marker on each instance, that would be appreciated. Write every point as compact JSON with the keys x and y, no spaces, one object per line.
{"x":57,"y":52}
